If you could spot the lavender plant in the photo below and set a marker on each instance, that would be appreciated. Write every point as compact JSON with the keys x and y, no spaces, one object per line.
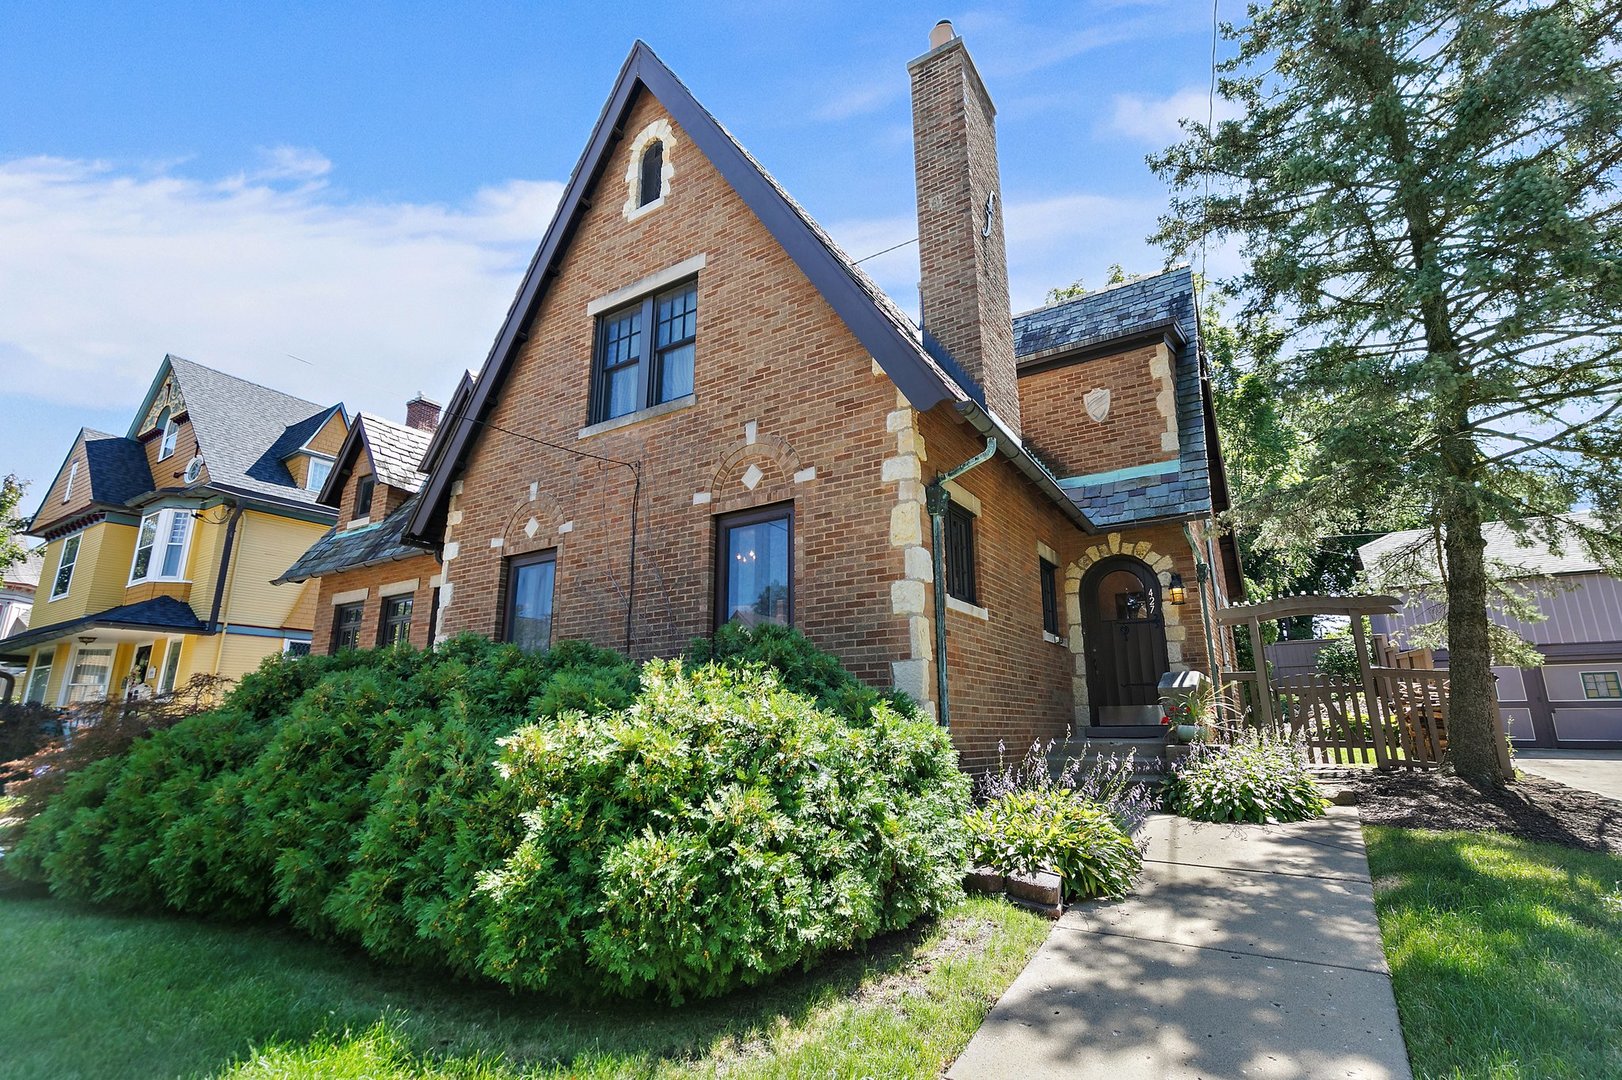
{"x":1110,"y":783}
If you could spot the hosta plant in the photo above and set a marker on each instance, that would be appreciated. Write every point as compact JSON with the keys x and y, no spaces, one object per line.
{"x":1258,"y":779}
{"x":1055,"y":828}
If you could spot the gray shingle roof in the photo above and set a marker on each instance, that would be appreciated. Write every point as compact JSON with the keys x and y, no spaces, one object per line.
{"x":244,"y":430}
{"x":159,"y":613}
{"x":27,"y":570}
{"x":1161,"y":300}
{"x":118,"y":468}
{"x":396,"y":451}
{"x":353,"y":548}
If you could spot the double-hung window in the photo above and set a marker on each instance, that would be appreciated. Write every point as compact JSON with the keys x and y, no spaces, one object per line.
{"x":320,"y":469}
{"x":64,"y":568}
{"x":394,"y":626}
{"x":160,"y":546}
{"x":754,"y":572}
{"x":346,"y":626}
{"x":38,"y":680}
{"x":644,"y":353}
{"x":530,"y":584}
{"x":1050,"y":596}
{"x":171,"y":435}
{"x":960,"y":554}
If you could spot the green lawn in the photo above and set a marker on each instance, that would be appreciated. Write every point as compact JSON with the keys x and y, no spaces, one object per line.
{"x":1506,"y":956}
{"x":85,"y":993}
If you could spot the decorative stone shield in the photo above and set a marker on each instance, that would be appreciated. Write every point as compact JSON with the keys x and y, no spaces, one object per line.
{"x":1097,"y":402}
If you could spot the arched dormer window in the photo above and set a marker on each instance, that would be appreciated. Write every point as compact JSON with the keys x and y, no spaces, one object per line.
{"x":649,"y":171}
{"x":171,"y":434}
{"x":652,"y":182}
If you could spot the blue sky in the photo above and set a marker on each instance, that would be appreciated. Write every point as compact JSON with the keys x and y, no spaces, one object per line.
{"x":248,"y":184}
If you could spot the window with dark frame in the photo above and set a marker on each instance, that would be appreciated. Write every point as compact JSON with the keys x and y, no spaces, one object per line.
{"x":363,"y":495}
{"x":635,"y":370}
{"x":652,"y":179}
{"x":346,"y":627}
{"x":531,"y":582}
{"x":960,"y":555}
{"x":754,"y":567}
{"x":394,"y":624}
{"x":1050,"y":596}
{"x":1602,"y":685}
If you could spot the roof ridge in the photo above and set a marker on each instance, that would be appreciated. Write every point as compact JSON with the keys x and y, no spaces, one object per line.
{"x":314,"y":406}
{"x":1093,"y":294}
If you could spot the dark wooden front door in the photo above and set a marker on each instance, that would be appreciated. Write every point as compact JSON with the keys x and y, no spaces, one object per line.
{"x":1125,"y":635}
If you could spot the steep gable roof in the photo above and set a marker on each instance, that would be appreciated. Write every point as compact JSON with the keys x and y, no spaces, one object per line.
{"x":1160,"y":302}
{"x":25,"y":572}
{"x":918,"y":365}
{"x":244,"y":430}
{"x":394,"y":450}
{"x":118,"y":468}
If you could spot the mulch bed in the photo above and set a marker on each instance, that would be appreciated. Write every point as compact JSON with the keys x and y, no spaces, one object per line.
{"x":1532,"y":808}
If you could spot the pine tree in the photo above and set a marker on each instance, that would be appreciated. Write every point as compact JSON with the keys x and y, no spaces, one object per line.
{"x":1424,"y":192}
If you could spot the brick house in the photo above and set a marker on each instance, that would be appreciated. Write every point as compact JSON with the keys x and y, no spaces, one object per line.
{"x":160,"y":544}
{"x":374,"y":589}
{"x":699,"y":409}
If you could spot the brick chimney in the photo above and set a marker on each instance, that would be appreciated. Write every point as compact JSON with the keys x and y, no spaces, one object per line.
{"x":963,"y":260}
{"x":421,"y":413}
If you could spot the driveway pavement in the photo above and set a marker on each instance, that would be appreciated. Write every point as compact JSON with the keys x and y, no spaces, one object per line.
{"x":1599,"y":771}
{"x":1246,"y":951}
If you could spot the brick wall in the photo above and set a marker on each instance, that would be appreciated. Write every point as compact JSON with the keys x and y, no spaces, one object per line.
{"x":785,"y":398}
{"x":1139,"y":429}
{"x":962,"y":256}
{"x":373,"y":579}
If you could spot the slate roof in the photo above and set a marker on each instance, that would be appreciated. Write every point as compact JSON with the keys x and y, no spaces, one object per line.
{"x":1163,"y":300}
{"x":160,"y":613}
{"x":118,"y":468}
{"x":244,"y":430}
{"x":350,"y":549}
{"x":396,"y":451}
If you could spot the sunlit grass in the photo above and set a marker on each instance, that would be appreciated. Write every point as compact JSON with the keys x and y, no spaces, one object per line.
{"x":86,"y":993}
{"x":1506,"y":955}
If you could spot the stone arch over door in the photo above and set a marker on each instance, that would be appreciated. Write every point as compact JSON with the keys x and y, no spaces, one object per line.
{"x":1160,"y":564}
{"x":1123,"y":623}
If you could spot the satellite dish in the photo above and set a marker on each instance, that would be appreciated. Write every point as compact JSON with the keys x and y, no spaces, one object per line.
{"x":194,"y":469}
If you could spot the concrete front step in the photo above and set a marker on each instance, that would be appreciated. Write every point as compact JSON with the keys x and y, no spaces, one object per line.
{"x":1149,"y":755}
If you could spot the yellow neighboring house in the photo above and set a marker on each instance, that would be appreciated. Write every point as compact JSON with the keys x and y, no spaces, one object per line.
{"x":161,"y":544}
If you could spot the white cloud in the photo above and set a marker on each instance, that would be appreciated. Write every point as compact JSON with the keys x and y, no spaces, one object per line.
{"x":1153,"y":121}
{"x":106,"y":268}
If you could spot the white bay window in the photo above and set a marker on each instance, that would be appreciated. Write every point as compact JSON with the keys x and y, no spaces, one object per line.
{"x":160,"y":546}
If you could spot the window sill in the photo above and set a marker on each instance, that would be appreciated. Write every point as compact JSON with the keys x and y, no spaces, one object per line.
{"x":1051,"y":638}
{"x":159,"y":581}
{"x":954,"y":604}
{"x":664,"y":408}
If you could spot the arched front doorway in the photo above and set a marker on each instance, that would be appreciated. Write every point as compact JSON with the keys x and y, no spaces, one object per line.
{"x":1124,"y":632}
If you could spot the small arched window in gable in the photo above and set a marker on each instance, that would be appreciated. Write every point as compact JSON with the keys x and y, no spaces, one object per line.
{"x":651,"y":185}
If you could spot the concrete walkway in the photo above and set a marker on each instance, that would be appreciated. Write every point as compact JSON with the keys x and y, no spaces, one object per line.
{"x":1245,"y":952}
{"x":1599,"y":771}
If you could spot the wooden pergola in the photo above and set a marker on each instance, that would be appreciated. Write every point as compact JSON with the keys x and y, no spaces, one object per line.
{"x":1406,"y":709}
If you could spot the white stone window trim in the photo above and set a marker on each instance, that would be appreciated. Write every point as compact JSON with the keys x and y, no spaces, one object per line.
{"x":963,"y":607}
{"x":353,"y":596}
{"x":661,"y":130}
{"x":654,"y":282}
{"x":398,"y":588}
{"x":686,"y":401}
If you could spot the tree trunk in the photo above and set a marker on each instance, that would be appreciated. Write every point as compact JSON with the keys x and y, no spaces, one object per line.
{"x":1473,"y":696}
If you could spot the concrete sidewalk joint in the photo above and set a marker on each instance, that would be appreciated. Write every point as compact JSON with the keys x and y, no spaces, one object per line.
{"x":1246,"y":951}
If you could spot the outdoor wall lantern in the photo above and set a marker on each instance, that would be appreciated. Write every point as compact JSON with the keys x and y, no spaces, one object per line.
{"x":87,"y":639}
{"x":1176,"y":593}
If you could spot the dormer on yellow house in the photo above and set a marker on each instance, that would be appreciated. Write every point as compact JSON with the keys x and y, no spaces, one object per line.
{"x":162,"y":543}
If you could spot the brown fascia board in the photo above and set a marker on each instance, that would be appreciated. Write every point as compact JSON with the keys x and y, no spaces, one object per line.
{"x":1063,"y":356}
{"x":900,"y":356}
{"x":331,"y":493}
